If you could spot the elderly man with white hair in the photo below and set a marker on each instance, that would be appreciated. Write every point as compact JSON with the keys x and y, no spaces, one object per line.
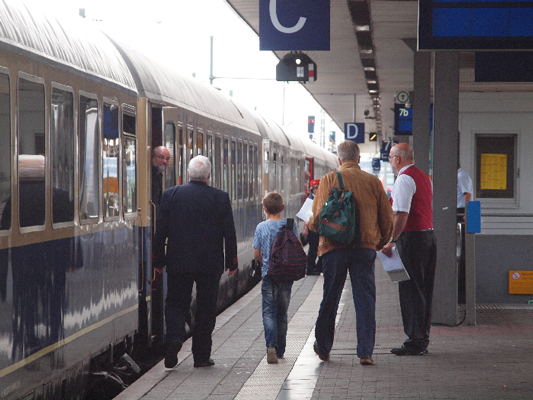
{"x":197,"y":220}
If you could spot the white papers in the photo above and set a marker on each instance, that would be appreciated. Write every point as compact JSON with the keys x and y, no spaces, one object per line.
{"x":306,"y":211}
{"x":394,"y":266}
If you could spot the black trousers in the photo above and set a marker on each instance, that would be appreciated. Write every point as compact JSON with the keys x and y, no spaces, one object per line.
{"x":418,"y":251}
{"x":312,"y":264}
{"x":177,"y":306}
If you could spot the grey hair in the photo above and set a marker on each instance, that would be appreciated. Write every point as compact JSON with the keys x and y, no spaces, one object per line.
{"x":348,"y":151}
{"x":405,"y":153}
{"x":199,"y":168}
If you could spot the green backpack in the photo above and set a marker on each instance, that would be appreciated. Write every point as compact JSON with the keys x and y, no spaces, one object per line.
{"x":338,"y":217}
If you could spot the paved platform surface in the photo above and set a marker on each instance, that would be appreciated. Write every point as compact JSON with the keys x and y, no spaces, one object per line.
{"x":492,"y":360}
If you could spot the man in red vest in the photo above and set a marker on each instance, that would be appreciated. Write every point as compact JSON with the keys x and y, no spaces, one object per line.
{"x":413,"y":236}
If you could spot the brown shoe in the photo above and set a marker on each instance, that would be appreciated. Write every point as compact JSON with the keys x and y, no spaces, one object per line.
{"x":322,"y":356}
{"x":366,"y":361}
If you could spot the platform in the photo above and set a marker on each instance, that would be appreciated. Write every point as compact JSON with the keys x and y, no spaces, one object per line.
{"x":491,"y":360}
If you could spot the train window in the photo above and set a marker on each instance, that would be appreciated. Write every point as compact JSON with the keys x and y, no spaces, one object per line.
{"x":233,"y":172}
{"x":190,"y":137}
{"x":179,"y":155}
{"x":111,"y":164}
{"x":5,"y":153}
{"x":239,"y":170}
{"x":89,"y":142}
{"x":251,"y":171}
{"x":257,"y":171}
{"x":217,"y":165}
{"x":245,"y":171}
{"x":170,"y":140}
{"x":225,"y":166}
{"x":266,"y":182}
{"x":31,"y":157}
{"x":282,"y":176}
{"x":274,"y":180}
{"x":200,"y":143}
{"x":129,"y":163}
{"x":209,"y":151}
{"x":62,"y":155}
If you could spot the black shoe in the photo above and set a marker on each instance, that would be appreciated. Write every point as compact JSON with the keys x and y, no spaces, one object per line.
{"x":406,"y":351}
{"x":322,"y":356}
{"x":201,"y":364}
{"x":171,"y":357}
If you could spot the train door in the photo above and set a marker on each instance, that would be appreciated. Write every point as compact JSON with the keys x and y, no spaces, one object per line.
{"x":309,"y":174}
{"x":157,"y":186}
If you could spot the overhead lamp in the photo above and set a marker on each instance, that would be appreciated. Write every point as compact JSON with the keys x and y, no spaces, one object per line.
{"x":371,"y":81}
{"x":366,"y":51}
{"x":369,"y":68}
{"x":371,"y":91}
{"x":362,"y":28}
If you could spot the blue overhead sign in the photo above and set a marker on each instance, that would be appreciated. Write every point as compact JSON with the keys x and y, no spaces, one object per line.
{"x":294,"y":25}
{"x":355,"y":132}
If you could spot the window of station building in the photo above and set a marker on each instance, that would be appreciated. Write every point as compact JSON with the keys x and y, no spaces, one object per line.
{"x":239,"y":171}
{"x":31,"y":154}
{"x":200,"y":143}
{"x":5,"y":153}
{"x":496,"y":166}
{"x":217,"y":168}
{"x":225,"y":166}
{"x":129,"y":161}
{"x":170,"y":140}
{"x":89,"y":168}
{"x":110,"y":167}
{"x":62,"y":154}
{"x":233,"y":172}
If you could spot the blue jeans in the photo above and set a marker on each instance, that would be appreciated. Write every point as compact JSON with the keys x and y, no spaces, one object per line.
{"x":276,"y":298}
{"x":335,"y":265}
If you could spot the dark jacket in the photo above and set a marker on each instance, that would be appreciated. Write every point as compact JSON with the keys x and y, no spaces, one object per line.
{"x":197,"y":219}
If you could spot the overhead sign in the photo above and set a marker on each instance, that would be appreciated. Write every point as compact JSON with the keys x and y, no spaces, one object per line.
{"x":403,"y":120}
{"x":294,"y":25}
{"x":402,"y":97}
{"x":386,"y":145}
{"x":376,"y":164}
{"x":354,"y":131}
{"x":296,"y":67}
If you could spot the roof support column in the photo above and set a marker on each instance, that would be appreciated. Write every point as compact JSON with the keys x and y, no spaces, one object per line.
{"x":446,"y":121}
{"x":421,"y":106}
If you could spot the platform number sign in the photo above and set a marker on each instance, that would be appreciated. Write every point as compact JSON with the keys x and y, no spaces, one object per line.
{"x":354,"y":131}
{"x":403,"y":120}
{"x":386,"y":145}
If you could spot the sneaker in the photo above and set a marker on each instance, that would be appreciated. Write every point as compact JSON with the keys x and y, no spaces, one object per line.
{"x":171,"y":356}
{"x":408,"y":351}
{"x":272,"y":358}
{"x":322,"y":356}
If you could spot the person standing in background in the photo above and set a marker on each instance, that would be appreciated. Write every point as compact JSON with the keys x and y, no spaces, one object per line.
{"x":314,"y":267}
{"x":416,"y":243}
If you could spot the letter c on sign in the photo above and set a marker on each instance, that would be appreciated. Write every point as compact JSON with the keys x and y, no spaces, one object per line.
{"x":275,"y":21}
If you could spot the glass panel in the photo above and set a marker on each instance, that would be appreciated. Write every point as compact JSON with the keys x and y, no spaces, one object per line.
{"x":251,"y":171}
{"x":179,"y":155}
{"x":129,"y":164}
{"x":63,"y":151}
{"x":200,"y":143}
{"x":170,"y":140}
{"x":5,"y":153}
{"x":129,"y":167}
{"x":225,"y":166}
{"x":190,"y":136}
{"x":239,"y":170}
{"x":233,"y":172}
{"x":257,"y":171}
{"x":218,"y":169}
{"x":89,"y":160}
{"x":31,"y":159}
{"x":245,"y":170}
{"x":111,"y":153}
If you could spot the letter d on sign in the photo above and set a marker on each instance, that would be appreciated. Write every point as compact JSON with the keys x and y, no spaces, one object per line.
{"x":355,"y":132}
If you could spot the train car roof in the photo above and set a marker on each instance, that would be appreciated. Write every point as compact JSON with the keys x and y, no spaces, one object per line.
{"x":158,"y":82}
{"x":274,"y":132}
{"x":70,"y":44}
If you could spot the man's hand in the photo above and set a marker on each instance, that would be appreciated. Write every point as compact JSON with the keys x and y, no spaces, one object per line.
{"x":387,"y":249}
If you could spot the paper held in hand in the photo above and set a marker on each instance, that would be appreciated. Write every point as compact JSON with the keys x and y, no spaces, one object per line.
{"x":306,"y":211}
{"x":394,"y":266}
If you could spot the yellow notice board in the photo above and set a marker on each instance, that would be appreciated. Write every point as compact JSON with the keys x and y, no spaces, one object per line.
{"x":493,"y":171}
{"x":520,"y":282}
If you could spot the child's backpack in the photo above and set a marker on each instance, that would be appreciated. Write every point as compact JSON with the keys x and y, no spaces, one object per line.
{"x":288,"y":260}
{"x":338,"y":218}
